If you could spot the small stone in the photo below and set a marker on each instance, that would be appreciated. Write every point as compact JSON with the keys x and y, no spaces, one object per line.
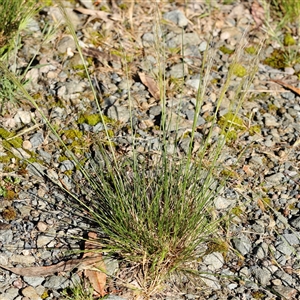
{"x":276,"y":282}
{"x":177,"y":17}
{"x":211,"y":281}
{"x":230,"y":32}
{"x":67,"y":165}
{"x":119,"y":113}
{"x":285,"y":291}
{"x":43,"y":240}
{"x":26,"y":145}
{"x":37,"y":139}
{"x":56,"y":282}
{"x":10,"y":294}
{"x":193,"y":83}
{"x":291,"y":238}
{"x":274,"y":178}
{"x":242,"y":244}
{"x":112,"y":297}
{"x":30,"y":292}
{"x":270,"y":120}
{"x":295,"y":222}
{"x":203,"y":46}
{"x":214,"y":261}
{"x":65,"y":43}
{"x":178,"y":70}
{"x":261,"y":251}
{"x":22,"y":259}
{"x":41,"y":226}
{"x":223,"y":203}
{"x":23,"y":116}
{"x":6,"y":236}
{"x":263,"y":275}
{"x":34,"y":281}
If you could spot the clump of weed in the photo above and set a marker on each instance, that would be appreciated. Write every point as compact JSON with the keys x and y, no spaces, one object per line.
{"x":289,"y":40}
{"x":94,"y":119}
{"x":226,"y":50}
{"x":239,"y":70}
{"x":9,"y":214}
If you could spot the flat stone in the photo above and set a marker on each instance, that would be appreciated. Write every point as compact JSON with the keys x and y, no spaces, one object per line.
{"x":285,"y":291}
{"x":177,"y":17}
{"x":23,"y":116}
{"x":65,"y":43}
{"x":211,"y":281}
{"x":56,"y":282}
{"x":22,"y":259}
{"x":30,"y":293}
{"x":262,"y":275}
{"x":119,"y":113}
{"x":214,"y":261}
{"x":178,"y":70}
{"x":270,"y":120}
{"x":37,"y":139}
{"x":223,"y":203}
{"x":10,"y":294}
{"x":6,"y":236}
{"x":33,"y":280}
{"x":295,"y":222}
{"x":242,"y":244}
{"x":27,"y":145}
{"x":275,"y":178}
{"x":43,"y":240}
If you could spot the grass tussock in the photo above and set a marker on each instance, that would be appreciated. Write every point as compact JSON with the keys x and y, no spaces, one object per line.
{"x":155,"y":210}
{"x":14,"y":14}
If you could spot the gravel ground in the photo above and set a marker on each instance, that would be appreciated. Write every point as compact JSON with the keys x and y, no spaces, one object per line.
{"x":37,"y":226}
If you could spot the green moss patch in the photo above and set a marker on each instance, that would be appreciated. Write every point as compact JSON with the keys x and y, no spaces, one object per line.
{"x":239,"y":70}
{"x":94,"y":119}
{"x":226,"y":50}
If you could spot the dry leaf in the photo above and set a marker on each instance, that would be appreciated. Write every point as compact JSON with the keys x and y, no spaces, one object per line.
{"x":287,"y":86}
{"x":63,"y":266}
{"x":151,"y":84}
{"x":258,"y":13}
{"x":107,"y":17}
{"x":103,"y":57}
{"x":95,"y":273}
{"x":247,"y":170}
{"x":261,"y":205}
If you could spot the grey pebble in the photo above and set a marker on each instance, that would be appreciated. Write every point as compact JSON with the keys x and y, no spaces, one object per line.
{"x":112,"y":297}
{"x":295,"y":222}
{"x":37,"y":139}
{"x":65,"y":43}
{"x":214,"y":261}
{"x":56,"y":282}
{"x":291,"y":238}
{"x":119,"y":113}
{"x":270,"y":120}
{"x":263,"y":275}
{"x":177,"y":17}
{"x":155,"y":110}
{"x":223,"y":203}
{"x":275,"y":178}
{"x":194,"y":83}
{"x":285,"y":291}
{"x":178,"y":71}
{"x":261,"y":250}
{"x":6,"y":236}
{"x":284,"y":277}
{"x":33,"y":281}
{"x":242,"y":244}
{"x":10,"y":294}
{"x":43,"y":240}
{"x":67,"y":165}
